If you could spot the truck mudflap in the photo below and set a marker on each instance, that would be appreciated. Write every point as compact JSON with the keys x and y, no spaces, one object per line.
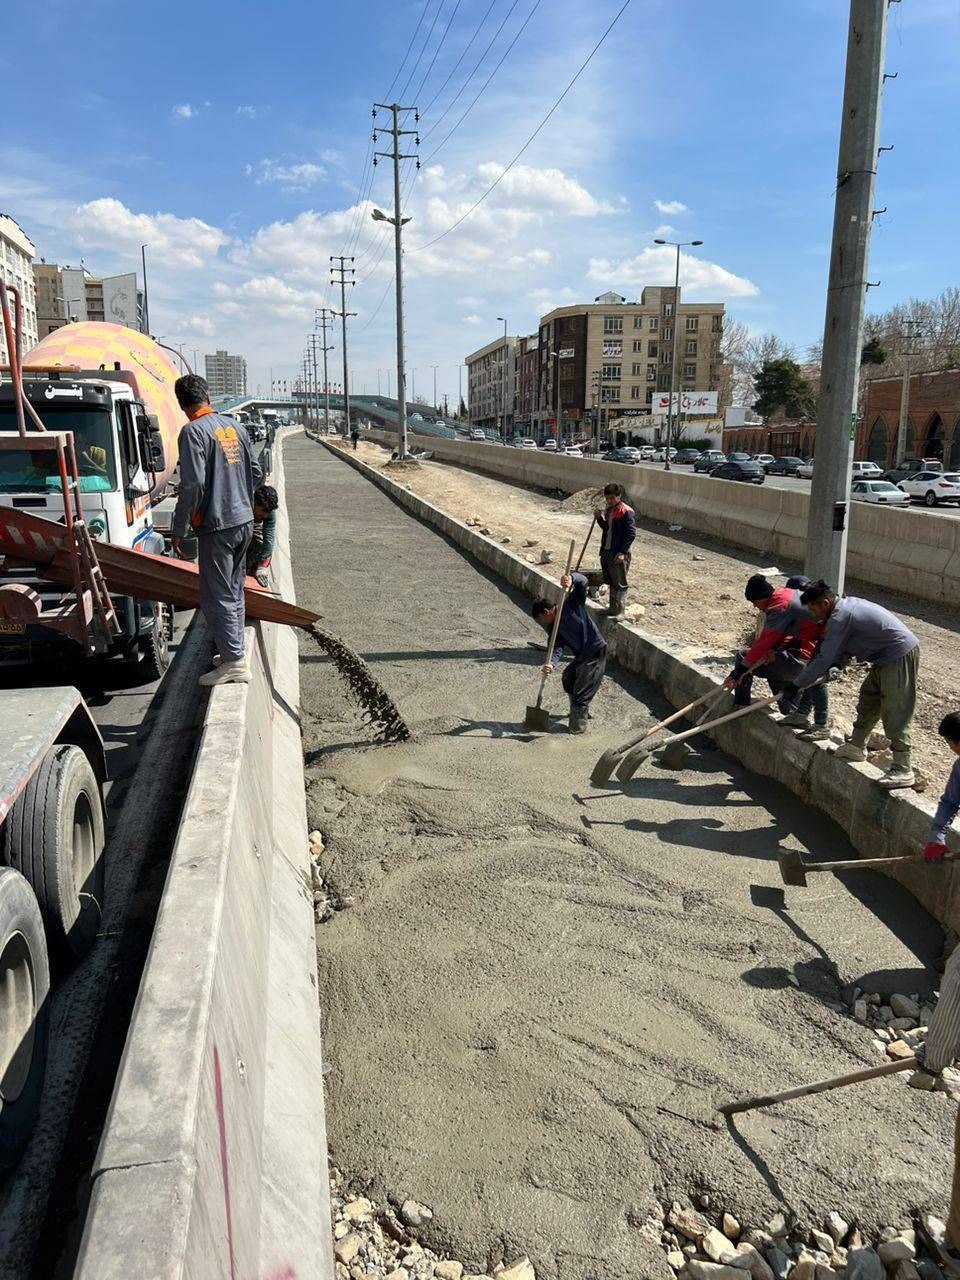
{"x":35,"y":719}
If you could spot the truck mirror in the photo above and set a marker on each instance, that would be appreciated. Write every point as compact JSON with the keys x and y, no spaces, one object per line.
{"x":152,"y":455}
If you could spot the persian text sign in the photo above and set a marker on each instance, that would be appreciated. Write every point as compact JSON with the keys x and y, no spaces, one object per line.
{"x":685,"y":402}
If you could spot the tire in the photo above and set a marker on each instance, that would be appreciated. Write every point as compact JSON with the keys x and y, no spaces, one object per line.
{"x":53,"y":836}
{"x":24,"y":988}
{"x":155,"y":645}
{"x":929,"y":498}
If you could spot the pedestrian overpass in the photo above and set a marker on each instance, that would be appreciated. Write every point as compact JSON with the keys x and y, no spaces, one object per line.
{"x":380,"y":411}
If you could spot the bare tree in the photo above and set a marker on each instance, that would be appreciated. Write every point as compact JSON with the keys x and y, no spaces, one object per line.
{"x":744,"y":355}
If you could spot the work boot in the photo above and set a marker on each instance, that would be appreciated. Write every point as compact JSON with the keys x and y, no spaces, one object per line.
{"x":237,"y":672}
{"x":819,"y":733}
{"x":578,"y":721}
{"x":616,"y":604}
{"x":850,"y":751}
{"x":796,"y":720}
{"x":898,"y":775}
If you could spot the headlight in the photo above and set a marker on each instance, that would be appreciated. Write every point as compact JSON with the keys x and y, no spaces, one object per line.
{"x":97,"y":528}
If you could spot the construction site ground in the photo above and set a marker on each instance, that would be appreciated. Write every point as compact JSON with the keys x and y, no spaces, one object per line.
{"x":535,"y":994}
{"x":690,"y":586}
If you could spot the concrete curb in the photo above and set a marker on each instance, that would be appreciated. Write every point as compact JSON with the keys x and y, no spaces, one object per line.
{"x":213,"y":1159}
{"x":878,"y":823}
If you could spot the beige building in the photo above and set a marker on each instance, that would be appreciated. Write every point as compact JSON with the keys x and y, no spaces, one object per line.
{"x":226,"y":375}
{"x":16,"y":268}
{"x":491,"y":385}
{"x":72,"y":293}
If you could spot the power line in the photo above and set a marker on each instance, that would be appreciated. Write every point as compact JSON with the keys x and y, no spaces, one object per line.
{"x":583,"y":66}
{"x":456,"y":65}
{"x":476,"y":68}
{"x":413,"y":69}
{"x":446,"y":29}
{"x":383,"y":299}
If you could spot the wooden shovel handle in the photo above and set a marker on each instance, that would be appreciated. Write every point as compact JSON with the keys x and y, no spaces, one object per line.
{"x":583,"y":549}
{"x":556,"y":623}
{"x":821,"y":1086}
{"x":856,"y":863}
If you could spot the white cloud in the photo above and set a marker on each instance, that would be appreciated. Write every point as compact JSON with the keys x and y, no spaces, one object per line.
{"x":656,"y":265}
{"x":550,"y":189}
{"x":665,"y":230}
{"x":670,"y":207}
{"x":248,"y":112}
{"x":294,"y":177}
{"x":471,"y":319}
{"x":184,"y":111}
{"x":181,"y":243}
{"x":329,"y":155}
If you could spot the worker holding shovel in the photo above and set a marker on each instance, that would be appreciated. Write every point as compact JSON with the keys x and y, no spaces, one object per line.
{"x":618,"y":523}
{"x":578,"y":634}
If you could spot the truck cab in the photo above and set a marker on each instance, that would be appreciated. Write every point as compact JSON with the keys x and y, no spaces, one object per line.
{"x":119,"y":454}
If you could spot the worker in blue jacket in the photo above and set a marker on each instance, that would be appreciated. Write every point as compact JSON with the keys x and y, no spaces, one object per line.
{"x":578,"y":634}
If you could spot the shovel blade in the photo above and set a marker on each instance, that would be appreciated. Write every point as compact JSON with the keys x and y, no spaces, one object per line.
{"x":792,"y":869}
{"x":537,"y":719}
{"x":603,"y":769}
{"x":630,"y":763}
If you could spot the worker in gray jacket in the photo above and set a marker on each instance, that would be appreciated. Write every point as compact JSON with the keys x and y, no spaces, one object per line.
{"x":860,"y":629}
{"x":218,"y":475}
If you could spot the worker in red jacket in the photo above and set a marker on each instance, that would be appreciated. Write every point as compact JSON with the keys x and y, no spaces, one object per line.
{"x":784,"y":646}
{"x":619,"y":526}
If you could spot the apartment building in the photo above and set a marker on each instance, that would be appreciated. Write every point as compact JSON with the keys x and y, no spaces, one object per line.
{"x":528,"y":380}
{"x":492,"y":385}
{"x":66,"y":293}
{"x":16,"y":268}
{"x":226,"y":374}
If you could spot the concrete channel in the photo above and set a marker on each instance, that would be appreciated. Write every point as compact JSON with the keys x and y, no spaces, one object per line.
{"x":540,"y":992}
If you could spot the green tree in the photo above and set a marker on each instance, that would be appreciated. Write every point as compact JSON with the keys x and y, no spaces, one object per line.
{"x":873,"y":352}
{"x":782,"y":388}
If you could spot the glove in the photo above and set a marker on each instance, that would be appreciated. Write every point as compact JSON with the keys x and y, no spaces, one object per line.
{"x":833,"y":673}
{"x":934,"y":851}
{"x":262,"y":577}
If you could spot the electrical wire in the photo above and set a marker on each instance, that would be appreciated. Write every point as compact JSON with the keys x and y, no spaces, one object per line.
{"x":457,"y":64}
{"x":476,"y":68}
{"x":583,"y":66}
{"x":446,"y":29}
{"x":383,"y":298}
{"x":413,"y":69}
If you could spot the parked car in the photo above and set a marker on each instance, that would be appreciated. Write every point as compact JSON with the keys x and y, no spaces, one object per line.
{"x":647,"y":452}
{"x":763,"y":458}
{"x":879,"y":491}
{"x":660,"y":455}
{"x":528,"y":443}
{"x":550,"y":446}
{"x":805,"y":470}
{"x":869,"y":471}
{"x":749,"y":472}
{"x":908,"y":467}
{"x":933,"y":486}
{"x":475,"y":432}
{"x":737,"y":457}
{"x":784,"y":466}
{"x":571,"y":451}
{"x":932,"y":464}
{"x":626,"y":455}
{"x":709,"y":459}
{"x":687,"y":457}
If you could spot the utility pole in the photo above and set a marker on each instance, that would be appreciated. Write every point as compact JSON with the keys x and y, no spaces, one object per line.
{"x":910,"y":328}
{"x":435,"y":367}
{"x":340,"y":275}
{"x":145,"y":318}
{"x":320,"y":318}
{"x":827,"y":522}
{"x":503,"y":382}
{"x":396,"y":155}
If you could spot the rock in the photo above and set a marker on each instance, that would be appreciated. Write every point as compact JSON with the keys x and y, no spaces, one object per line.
{"x":922,"y":1080}
{"x":398,"y":1273}
{"x":316,"y":837}
{"x":820,"y":1240}
{"x":448,"y":1270}
{"x":778,"y":1225}
{"x":779,"y":1263}
{"x":837,"y":1227}
{"x":904,"y":1270}
{"x":522,"y":1269}
{"x":413,"y":1214}
{"x":358,"y":1210}
{"x":701,"y":558}
{"x":844,"y":725}
{"x":825,"y":1271}
{"x":902,"y":1248}
{"x":347,"y":1248}
{"x":716,"y":1246}
{"x":897,"y":1049}
{"x":341,"y":1272}
{"x":749,"y":1258}
{"x":724,"y":595}
{"x":633,"y":612}
{"x":688,"y":1222}
{"x":486,"y":531}
{"x":546,"y":557}
{"x":675,"y":528}
{"x":920,"y":780}
{"x":885,"y":1013}
{"x":904,"y":1006}
{"x":877,"y":742}
{"x":483,"y":1277}
{"x":731,"y":1227}
{"x":864,"y":1264}
{"x":860,"y":1010}
{"x":948,"y":1082}
{"x":698,"y":1270}
{"x":503,"y":542}
{"x":805,"y":1268}
{"x":758,"y":1238}
{"x":531,"y":542}
{"x":340,"y":1230}
{"x":676,"y":1259}
{"x":902,"y":1024}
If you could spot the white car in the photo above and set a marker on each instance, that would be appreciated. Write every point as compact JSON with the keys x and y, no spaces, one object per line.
{"x":933,"y":486}
{"x":549,"y":446}
{"x":805,"y":470}
{"x":528,"y":443}
{"x":880,"y":491}
{"x":763,"y":458}
{"x":477,"y":434}
{"x":866,"y":471}
{"x":661,"y":455}
{"x":647,"y":453}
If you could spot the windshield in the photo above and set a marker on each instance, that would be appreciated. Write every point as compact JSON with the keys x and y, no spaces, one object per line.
{"x":24,"y":471}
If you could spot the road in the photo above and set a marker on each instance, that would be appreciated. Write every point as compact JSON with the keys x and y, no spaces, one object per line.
{"x":541,"y":991}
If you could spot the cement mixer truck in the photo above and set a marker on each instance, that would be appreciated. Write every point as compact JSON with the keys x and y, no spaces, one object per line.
{"x":113,"y":389}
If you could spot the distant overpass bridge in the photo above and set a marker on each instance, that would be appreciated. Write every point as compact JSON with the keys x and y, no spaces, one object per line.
{"x":382,"y":411}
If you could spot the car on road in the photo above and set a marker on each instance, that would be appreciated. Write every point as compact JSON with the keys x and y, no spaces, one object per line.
{"x":879,"y":491}
{"x":627,"y":455}
{"x":572,"y":451}
{"x":908,"y":467}
{"x":748,"y":471}
{"x":660,"y":455}
{"x":933,"y":487}
{"x":764,"y":459}
{"x":477,"y":434}
{"x":687,"y":457}
{"x":932,"y":464}
{"x":646,"y":452}
{"x":549,"y":446}
{"x":528,"y":443}
{"x":869,"y":471}
{"x":709,"y":459}
{"x":784,"y":466}
{"x":805,"y":470}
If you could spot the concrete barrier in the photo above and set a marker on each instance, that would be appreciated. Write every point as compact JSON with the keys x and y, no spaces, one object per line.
{"x":878,"y":823}
{"x":213,"y":1162}
{"x":906,"y":551}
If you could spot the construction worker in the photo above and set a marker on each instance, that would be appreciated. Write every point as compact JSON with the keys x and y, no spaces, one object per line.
{"x":218,"y":475}
{"x":855,"y":628}
{"x":263,"y":539}
{"x":579,"y":634}
{"x":354,"y":436}
{"x":618,"y":523}
{"x":786,"y":643}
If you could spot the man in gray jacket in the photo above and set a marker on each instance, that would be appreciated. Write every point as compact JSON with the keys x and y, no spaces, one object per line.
{"x":860,"y":629}
{"x":218,"y":475}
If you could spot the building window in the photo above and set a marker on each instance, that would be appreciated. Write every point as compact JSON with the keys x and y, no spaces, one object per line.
{"x":717,"y":325}
{"x":651,"y":373}
{"x":666,"y":333}
{"x":668,"y":308}
{"x":611,"y":372}
{"x":649,"y":395}
{"x":654,"y":323}
{"x":689,"y":370}
{"x":651,"y":348}
{"x":666,"y":356}
{"x":609,"y":395}
{"x":637,"y":370}
{"x":613,"y":324}
{"x":638,"y":345}
{"x":635,"y":393}
{"x":691,"y":347}
{"x":693,"y":324}
{"x":638,"y":322}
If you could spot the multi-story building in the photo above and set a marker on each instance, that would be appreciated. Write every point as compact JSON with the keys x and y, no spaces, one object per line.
{"x":226,"y":374}
{"x":16,"y":268}
{"x":616,"y":355}
{"x":933,"y":418}
{"x":491,"y":385}
{"x":528,"y":381}
{"x":71,"y":293}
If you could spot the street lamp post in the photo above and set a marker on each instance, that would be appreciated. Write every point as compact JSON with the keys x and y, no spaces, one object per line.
{"x":503,"y":382}
{"x":685,"y":244}
{"x":434,"y":367}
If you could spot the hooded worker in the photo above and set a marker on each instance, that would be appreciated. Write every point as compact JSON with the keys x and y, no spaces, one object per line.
{"x":578,"y":633}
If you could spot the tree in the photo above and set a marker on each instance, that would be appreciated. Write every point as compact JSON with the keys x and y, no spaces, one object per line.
{"x":744,"y":355}
{"x":782,"y":389}
{"x":873,"y":352}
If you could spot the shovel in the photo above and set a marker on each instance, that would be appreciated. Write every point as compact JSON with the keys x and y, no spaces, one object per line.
{"x":536,"y":718}
{"x":794,"y":870}
{"x":820,"y":1086}
{"x":674,"y":759}
{"x":586,"y":543}
{"x":603,"y":769}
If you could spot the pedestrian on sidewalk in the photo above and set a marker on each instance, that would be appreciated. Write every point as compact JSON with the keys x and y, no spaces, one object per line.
{"x":218,"y":475}
{"x":354,"y":436}
{"x":618,"y":524}
{"x":786,"y":643}
{"x":860,"y":629}
{"x":579,"y":634}
{"x":263,"y":539}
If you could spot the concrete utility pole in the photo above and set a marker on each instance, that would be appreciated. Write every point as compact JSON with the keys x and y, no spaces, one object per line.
{"x":910,"y":329}
{"x":396,"y":155}
{"x":674,"y":390}
{"x":434,"y":367}
{"x":145,"y":318}
{"x":320,"y":318}
{"x":827,"y":523}
{"x":503,"y":382}
{"x":339,"y":275}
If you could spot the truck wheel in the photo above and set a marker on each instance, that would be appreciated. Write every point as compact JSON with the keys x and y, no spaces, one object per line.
{"x":24,"y":987}
{"x":53,"y":836}
{"x":155,"y":645}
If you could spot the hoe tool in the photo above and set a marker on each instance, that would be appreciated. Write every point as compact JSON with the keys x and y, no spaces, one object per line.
{"x":536,"y":718}
{"x":821,"y":1086}
{"x":794,"y":870}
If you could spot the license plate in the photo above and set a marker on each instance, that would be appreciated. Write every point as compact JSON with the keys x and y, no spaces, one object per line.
{"x":10,"y":628}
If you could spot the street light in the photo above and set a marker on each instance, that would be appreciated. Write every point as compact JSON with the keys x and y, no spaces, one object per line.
{"x":398,"y":223}
{"x":685,"y":244}
{"x":503,"y":382}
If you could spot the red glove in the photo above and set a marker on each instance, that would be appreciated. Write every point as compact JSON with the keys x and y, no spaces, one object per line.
{"x":934,"y":851}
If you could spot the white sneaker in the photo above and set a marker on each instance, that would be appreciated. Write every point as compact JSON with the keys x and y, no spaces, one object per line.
{"x":850,"y":751}
{"x":228,"y":673}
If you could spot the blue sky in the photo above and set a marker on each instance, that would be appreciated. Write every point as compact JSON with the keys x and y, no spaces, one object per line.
{"x":232,"y":139}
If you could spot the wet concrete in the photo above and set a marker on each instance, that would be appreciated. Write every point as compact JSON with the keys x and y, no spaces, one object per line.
{"x":543,"y":990}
